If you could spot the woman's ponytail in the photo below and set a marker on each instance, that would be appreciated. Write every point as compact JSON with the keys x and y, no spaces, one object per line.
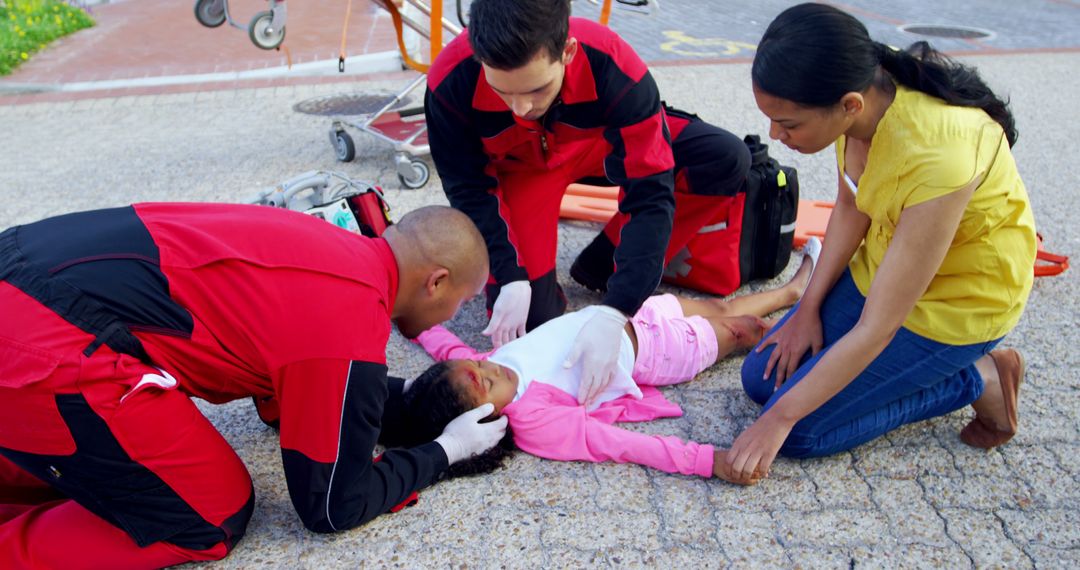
{"x":925,"y":69}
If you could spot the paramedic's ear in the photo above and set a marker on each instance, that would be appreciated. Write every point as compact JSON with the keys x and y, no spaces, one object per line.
{"x":569,"y":51}
{"x":438,"y":278}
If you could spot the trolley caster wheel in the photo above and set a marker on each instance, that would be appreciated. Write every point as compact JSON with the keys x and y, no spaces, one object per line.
{"x":343,"y":146}
{"x":210,"y":13}
{"x":262,"y":35}
{"x":419,"y":175}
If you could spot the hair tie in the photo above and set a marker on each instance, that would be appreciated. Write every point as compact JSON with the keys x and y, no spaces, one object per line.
{"x":881,"y":51}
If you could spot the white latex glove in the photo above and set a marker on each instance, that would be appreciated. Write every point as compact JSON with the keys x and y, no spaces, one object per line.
{"x":466,"y":436}
{"x":597,"y":346}
{"x":509,"y":314}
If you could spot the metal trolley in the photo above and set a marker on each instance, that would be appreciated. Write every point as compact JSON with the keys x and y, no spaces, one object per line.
{"x":266,"y":29}
{"x":406,"y":129}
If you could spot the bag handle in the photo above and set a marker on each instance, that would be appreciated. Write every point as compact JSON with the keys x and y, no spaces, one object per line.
{"x":759,"y":153}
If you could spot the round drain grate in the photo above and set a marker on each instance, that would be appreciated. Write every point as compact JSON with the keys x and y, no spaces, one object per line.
{"x":348,"y":104}
{"x":951,"y":32}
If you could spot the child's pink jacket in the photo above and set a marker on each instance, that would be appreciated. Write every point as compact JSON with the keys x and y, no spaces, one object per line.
{"x":550,"y":423}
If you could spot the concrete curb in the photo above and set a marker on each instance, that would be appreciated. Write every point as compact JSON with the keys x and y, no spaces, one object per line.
{"x":379,"y":62}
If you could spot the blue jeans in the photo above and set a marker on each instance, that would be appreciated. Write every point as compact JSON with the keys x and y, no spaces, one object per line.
{"x":913,"y":379}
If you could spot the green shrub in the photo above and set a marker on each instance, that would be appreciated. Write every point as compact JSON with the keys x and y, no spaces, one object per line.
{"x":27,"y":26}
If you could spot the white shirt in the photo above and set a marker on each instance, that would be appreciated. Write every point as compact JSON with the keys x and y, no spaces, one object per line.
{"x":539,"y":355}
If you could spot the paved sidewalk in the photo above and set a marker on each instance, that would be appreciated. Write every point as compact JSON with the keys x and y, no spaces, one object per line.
{"x":916,"y":498}
{"x":148,"y":44}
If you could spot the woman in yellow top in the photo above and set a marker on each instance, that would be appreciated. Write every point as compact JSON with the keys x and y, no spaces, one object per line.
{"x":928,"y":256}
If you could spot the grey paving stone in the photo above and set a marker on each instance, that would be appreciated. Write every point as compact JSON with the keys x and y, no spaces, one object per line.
{"x":750,"y":539}
{"x":706,"y":556}
{"x":905,"y":461}
{"x":1038,"y":467}
{"x":909,"y":556}
{"x":813,"y":558}
{"x":1068,"y":456}
{"x":982,"y":536}
{"x":567,"y":487}
{"x":582,"y":529}
{"x":780,"y":495}
{"x":687,"y":514}
{"x":974,"y":492}
{"x":1046,"y":557}
{"x":624,"y":488}
{"x":911,"y":518}
{"x":1050,"y":527}
{"x":832,"y":528}
{"x":838,"y":484}
{"x":562,"y":557}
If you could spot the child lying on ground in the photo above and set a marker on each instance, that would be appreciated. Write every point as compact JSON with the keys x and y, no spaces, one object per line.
{"x":668,"y":341}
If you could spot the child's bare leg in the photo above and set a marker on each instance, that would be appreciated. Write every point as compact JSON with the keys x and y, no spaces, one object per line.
{"x":741,"y":332}
{"x":757,"y":304}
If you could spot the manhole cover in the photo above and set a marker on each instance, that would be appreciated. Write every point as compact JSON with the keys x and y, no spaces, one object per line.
{"x":952,"y":32}
{"x":348,"y":104}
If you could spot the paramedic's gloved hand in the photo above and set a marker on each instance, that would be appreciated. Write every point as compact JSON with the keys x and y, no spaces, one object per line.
{"x":509,"y":314}
{"x":466,"y":436}
{"x":597,"y":347}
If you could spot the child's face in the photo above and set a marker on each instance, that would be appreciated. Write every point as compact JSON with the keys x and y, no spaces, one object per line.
{"x":484,"y":382}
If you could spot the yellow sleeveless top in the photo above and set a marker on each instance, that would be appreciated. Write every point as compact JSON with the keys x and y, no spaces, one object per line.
{"x":924,"y":149}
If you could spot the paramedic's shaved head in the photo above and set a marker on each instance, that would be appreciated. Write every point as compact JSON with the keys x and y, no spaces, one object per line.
{"x":442,"y":261}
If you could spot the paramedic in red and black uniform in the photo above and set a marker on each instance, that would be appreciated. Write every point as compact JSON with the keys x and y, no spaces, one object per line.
{"x":112,"y":321}
{"x":529,"y":100}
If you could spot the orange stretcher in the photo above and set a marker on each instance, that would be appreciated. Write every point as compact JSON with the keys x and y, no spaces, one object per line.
{"x":599,"y":203}
{"x":590,"y":203}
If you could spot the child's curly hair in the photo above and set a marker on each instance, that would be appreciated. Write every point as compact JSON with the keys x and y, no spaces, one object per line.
{"x":431,"y":403}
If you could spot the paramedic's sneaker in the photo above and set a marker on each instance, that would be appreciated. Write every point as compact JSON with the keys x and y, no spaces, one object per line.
{"x":595,"y":264}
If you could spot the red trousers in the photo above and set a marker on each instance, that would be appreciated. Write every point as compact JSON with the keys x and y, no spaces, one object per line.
{"x":710,"y":167}
{"x":104,"y":463}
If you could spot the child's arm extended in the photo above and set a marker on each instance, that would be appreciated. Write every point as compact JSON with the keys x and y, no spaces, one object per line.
{"x":567,"y":433}
{"x":443,"y":345}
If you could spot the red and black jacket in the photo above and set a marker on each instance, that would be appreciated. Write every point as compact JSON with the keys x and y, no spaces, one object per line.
{"x":240,"y":301}
{"x":607,"y":97}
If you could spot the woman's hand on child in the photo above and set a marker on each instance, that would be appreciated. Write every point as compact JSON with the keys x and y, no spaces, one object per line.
{"x":752,"y":454}
{"x":469,"y":435}
{"x":800,"y":333}
{"x":721,"y":470}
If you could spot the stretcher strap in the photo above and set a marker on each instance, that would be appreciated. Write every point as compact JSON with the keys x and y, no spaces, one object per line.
{"x":344,"y":34}
{"x":396,"y":16}
{"x":436,"y":29}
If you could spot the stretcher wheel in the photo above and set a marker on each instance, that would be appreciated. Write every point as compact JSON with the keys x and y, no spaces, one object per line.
{"x":343,"y":146}
{"x":420,"y":175}
{"x":260,"y":33}
{"x":210,"y":13}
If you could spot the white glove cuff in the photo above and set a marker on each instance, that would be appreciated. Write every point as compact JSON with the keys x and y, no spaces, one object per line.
{"x":609,"y":312}
{"x":452,"y":447}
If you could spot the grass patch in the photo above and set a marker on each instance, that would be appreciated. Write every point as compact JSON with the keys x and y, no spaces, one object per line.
{"x":27,"y":26}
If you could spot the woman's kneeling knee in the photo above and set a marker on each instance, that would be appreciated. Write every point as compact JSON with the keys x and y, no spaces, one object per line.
{"x":757,"y":387}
